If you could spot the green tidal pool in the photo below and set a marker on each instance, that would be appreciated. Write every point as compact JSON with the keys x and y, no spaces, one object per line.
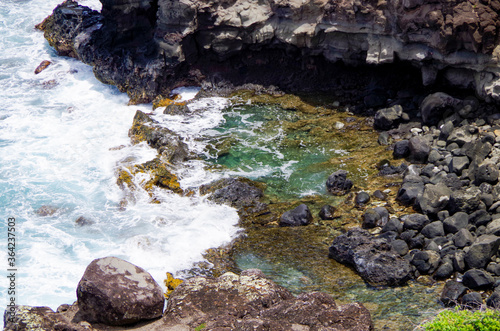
{"x":293,"y":152}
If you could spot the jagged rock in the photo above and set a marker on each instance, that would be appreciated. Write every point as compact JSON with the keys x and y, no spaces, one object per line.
{"x":463,"y":238}
{"x":477,"y":279}
{"x":373,"y":259}
{"x":426,"y":262}
{"x":301,"y":215}
{"x":169,"y":144}
{"x":434,"y":198}
{"x":434,"y":106}
{"x":452,"y":292}
{"x":401,"y":149}
{"x":472,"y":300}
{"x":236,"y":192}
{"x":419,"y":149}
{"x":252,"y":301}
{"x":384,"y":119}
{"x":481,"y":251}
{"x":338,"y":183}
{"x":115,"y":292}
{"x":456,"y":222}
{"x":327,"y":212}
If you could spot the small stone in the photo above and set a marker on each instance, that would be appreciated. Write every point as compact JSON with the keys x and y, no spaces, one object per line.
{"x":299,"y":216}
{"x":327,"y":212}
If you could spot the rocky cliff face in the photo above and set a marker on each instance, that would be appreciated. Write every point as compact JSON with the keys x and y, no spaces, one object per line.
{"x":147,"y":47}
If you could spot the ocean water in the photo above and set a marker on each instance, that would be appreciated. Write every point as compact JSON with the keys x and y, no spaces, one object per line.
{"x":63,"y":135}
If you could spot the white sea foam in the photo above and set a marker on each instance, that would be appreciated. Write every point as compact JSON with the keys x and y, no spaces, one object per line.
{"x":63,"y":135}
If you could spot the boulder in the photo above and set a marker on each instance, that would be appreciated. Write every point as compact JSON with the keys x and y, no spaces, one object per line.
{"x":486,"y":173}
{"x":361,"y":199}
{"x":401,"y":149}
{"x":338,"y":183}
{"x":434,"y":198}
{"x":468,"y":200}
{"x":456,"y":222}
{"x":472,"y":300}
{"x":479,"y":217}
{"x":400,"y":246}
{"x":419,"y":149}
{"x":494,"y":300}
{"x":411,"y":190}
{"x":434,"y":106}
{"x":414,"y":221}
{"x":426,"y":262}
{"x":374,"y":259}
{"x":327,"y":212}
{"x":250,"y":301}
{"x":115,"y":292}
{"x":433,"y":230}
{"x":301,"y":215}
{"x":373,"y":217}
{"x":493,"y":227}
{"x":463,"y":238}
{"x":386,"y":118}
{"x":477,"y":279}
{"x":458,"y":164}
{"x":452,"y":292}
{"x":394,"y":224}
{"x":445,"y":270}
{"x":481,"y":251}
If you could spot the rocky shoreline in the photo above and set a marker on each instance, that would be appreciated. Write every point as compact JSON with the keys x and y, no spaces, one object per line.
{"x":408,"y":67}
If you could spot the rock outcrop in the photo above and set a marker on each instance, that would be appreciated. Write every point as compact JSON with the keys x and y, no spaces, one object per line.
{"x":148,"y":47}
{"x":248,"y":301}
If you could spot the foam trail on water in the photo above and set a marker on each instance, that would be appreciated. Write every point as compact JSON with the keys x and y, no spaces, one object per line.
{"x":63,"y":136}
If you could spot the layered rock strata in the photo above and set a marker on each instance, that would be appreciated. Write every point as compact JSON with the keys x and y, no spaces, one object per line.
{"x":148,"y":47}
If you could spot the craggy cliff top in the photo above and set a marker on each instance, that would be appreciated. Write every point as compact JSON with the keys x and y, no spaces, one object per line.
{"x":148,"y":47}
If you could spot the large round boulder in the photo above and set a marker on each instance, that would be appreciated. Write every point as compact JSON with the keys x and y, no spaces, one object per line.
{"x":115,"y":292}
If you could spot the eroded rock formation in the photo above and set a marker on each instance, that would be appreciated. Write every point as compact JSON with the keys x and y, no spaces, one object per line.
{"x":148,"y":47}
